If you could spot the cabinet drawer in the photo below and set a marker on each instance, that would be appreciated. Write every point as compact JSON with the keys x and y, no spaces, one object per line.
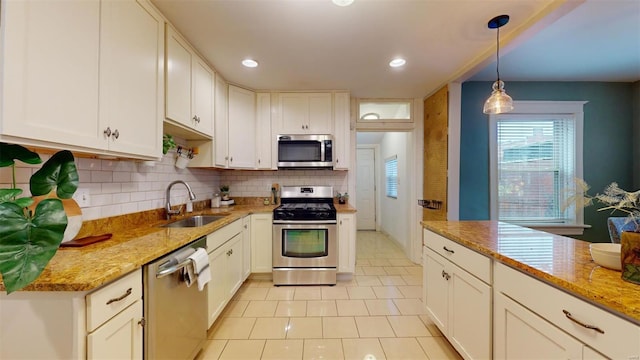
{"x":220,"y":236}
{"x":471,"y":261}
{"x":109,"y":300}
{"x":621,"y":338}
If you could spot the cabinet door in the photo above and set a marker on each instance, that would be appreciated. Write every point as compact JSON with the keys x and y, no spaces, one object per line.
{"x":320,"y":113}
{"x":234,"y":265}
{"x":221,"y":124}
{"x":437,"y":289}
{"x":118,"y":338}
{"x":202,"y":102}
{"x":246,"y":247}
{"x":264,"y":141}
{"x":469,"y":314}
{"x":521,"y":334}
{"x":261,"y":243}
{"x":242,"y":128}
{"x":50,"y":71}
{"x":294,"y":113}
{"x":342,"y":131}
{"x":131,"y":76}
{"x":346,"y":243}
{"x":178,"y":70}
{"x":217,"y":287}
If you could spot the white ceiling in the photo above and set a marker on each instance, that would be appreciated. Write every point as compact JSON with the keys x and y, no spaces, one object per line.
{"x":598,"y":41}
{"x":315,"y":45}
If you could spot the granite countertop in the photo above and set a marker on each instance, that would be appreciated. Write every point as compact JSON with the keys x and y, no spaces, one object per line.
{"x":133,"y":244}
{"x":560,"y":261}
{"x":136,"y":240}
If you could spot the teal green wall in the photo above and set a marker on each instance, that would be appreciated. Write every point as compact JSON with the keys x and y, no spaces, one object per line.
{"x":608,"y":141}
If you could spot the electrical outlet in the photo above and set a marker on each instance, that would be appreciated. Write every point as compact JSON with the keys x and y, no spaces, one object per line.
{"x":82,"y":197}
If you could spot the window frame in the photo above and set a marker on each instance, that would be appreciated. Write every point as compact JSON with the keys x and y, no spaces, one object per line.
{"x":393,"y":158}
{"x":543,"y":109}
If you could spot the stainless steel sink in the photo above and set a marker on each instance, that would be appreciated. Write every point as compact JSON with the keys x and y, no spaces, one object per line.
{"x":194,"y":221}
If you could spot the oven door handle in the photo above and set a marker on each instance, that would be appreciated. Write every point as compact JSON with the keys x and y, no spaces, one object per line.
{"x":306,"y":222}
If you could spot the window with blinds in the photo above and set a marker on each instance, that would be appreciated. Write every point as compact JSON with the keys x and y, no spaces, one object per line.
{"x":534,"y":164}
{"x":391,"y":175}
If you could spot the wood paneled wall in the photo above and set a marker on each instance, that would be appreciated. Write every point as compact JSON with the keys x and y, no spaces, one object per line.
{"x":435,"y":153}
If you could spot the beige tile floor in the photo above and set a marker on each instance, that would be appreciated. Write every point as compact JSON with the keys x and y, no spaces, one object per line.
{"x":376,"y":315}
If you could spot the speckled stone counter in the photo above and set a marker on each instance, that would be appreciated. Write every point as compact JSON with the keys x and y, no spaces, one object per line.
{"x":136,"y":240}
{"x":560,"y":261}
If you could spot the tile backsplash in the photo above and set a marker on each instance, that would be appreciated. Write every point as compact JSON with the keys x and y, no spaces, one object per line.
{"x":258,"y":183}
{"x":118,"y":187}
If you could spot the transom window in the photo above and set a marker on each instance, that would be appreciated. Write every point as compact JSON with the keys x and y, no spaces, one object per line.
{"x":536,"y":155}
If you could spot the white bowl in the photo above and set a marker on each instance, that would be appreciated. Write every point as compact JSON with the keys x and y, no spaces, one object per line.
{"x":607,"y":255}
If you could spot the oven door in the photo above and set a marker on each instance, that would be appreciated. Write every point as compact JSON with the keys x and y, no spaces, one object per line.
{"x":305,"y":245}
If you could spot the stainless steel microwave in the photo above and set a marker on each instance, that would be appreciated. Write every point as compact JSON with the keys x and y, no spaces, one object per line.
{"x":305,"y":152}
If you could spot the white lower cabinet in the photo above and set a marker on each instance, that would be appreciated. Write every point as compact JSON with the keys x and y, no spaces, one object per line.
{"x":457,"y":300}
{"x":346,"y":243}
{"x":535,"y":320}
{"x":225,"y":260}
{"x":246,"y":247}
{"x":120,"y":337}
{"x":460,"y":305}
{"x":102,"y":324}
{"x":519,"y":333}
{"x":261,"y":243}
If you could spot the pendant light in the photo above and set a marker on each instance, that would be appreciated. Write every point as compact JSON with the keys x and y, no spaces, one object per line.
{"x":499,"y":102}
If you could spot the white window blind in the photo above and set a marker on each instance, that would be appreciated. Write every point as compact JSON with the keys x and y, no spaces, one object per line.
{"x":391,"y":174}
{"x":535,"y":167}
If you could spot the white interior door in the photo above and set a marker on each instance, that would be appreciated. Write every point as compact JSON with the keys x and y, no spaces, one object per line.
{"x":366,"y":189}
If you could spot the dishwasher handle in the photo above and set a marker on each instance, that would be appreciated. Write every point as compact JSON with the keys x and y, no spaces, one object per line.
{"x":168,"y":270}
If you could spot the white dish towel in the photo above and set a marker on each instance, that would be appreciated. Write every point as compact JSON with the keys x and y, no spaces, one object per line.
{"x":198,"y":269}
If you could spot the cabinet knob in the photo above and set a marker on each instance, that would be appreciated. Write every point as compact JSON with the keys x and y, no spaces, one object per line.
{"x":196,"y":119}
{"x":142,"y":322}
{"x":258,"y":161}
{"x":445,"y":275}
{"x":107,"y":131}
{"x":226,"y":158}
{"x":116,"y":133}
{"x":231,"y":159}
{"x":302,"y":126}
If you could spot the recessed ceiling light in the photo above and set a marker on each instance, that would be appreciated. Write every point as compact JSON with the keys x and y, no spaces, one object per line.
{"x":250,"y":63}
{"x":397,"y":62}
{"x":342,"y":2}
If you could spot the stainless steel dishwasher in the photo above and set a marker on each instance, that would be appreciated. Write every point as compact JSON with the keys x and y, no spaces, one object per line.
{"x":175,"y":315}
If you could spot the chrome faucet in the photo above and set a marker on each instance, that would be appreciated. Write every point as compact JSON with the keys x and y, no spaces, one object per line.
{"x":170,"y":212}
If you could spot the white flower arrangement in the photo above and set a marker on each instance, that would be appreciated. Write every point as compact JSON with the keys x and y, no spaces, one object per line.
{"x":614,"y":198}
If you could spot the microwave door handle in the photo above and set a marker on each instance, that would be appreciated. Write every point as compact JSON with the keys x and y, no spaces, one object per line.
{"x":322,"y":148}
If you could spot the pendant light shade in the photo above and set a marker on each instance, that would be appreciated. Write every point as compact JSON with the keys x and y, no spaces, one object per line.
{"x":499,"y":102}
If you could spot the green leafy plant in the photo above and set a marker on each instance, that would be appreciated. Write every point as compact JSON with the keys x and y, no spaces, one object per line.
{"x":32,"y":228}
{"x":224,"y":188}
{"x":167,"y":143}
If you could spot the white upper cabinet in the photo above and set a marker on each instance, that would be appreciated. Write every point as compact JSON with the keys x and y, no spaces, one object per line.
{"x":190,"y":86}
{"x":131,"y":77}
{"x":83,"y":75}
{"x":242,"y":128}
{"x":221,"y":139}
{"x":305,"y":113}
{"x":264,"y":141}
{"x":341,"y":131}
{"x":50,"y":71}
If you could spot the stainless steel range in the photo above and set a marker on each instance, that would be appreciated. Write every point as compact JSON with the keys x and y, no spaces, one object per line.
{"x":305,"y":246}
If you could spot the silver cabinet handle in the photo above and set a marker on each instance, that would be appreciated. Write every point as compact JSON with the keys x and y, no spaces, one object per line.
{"x":592,"y":327}
{"x":107,"y":131}
{"x":116,"y":133}
{"x":129,"y":290}
{"x":448,"y":250}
